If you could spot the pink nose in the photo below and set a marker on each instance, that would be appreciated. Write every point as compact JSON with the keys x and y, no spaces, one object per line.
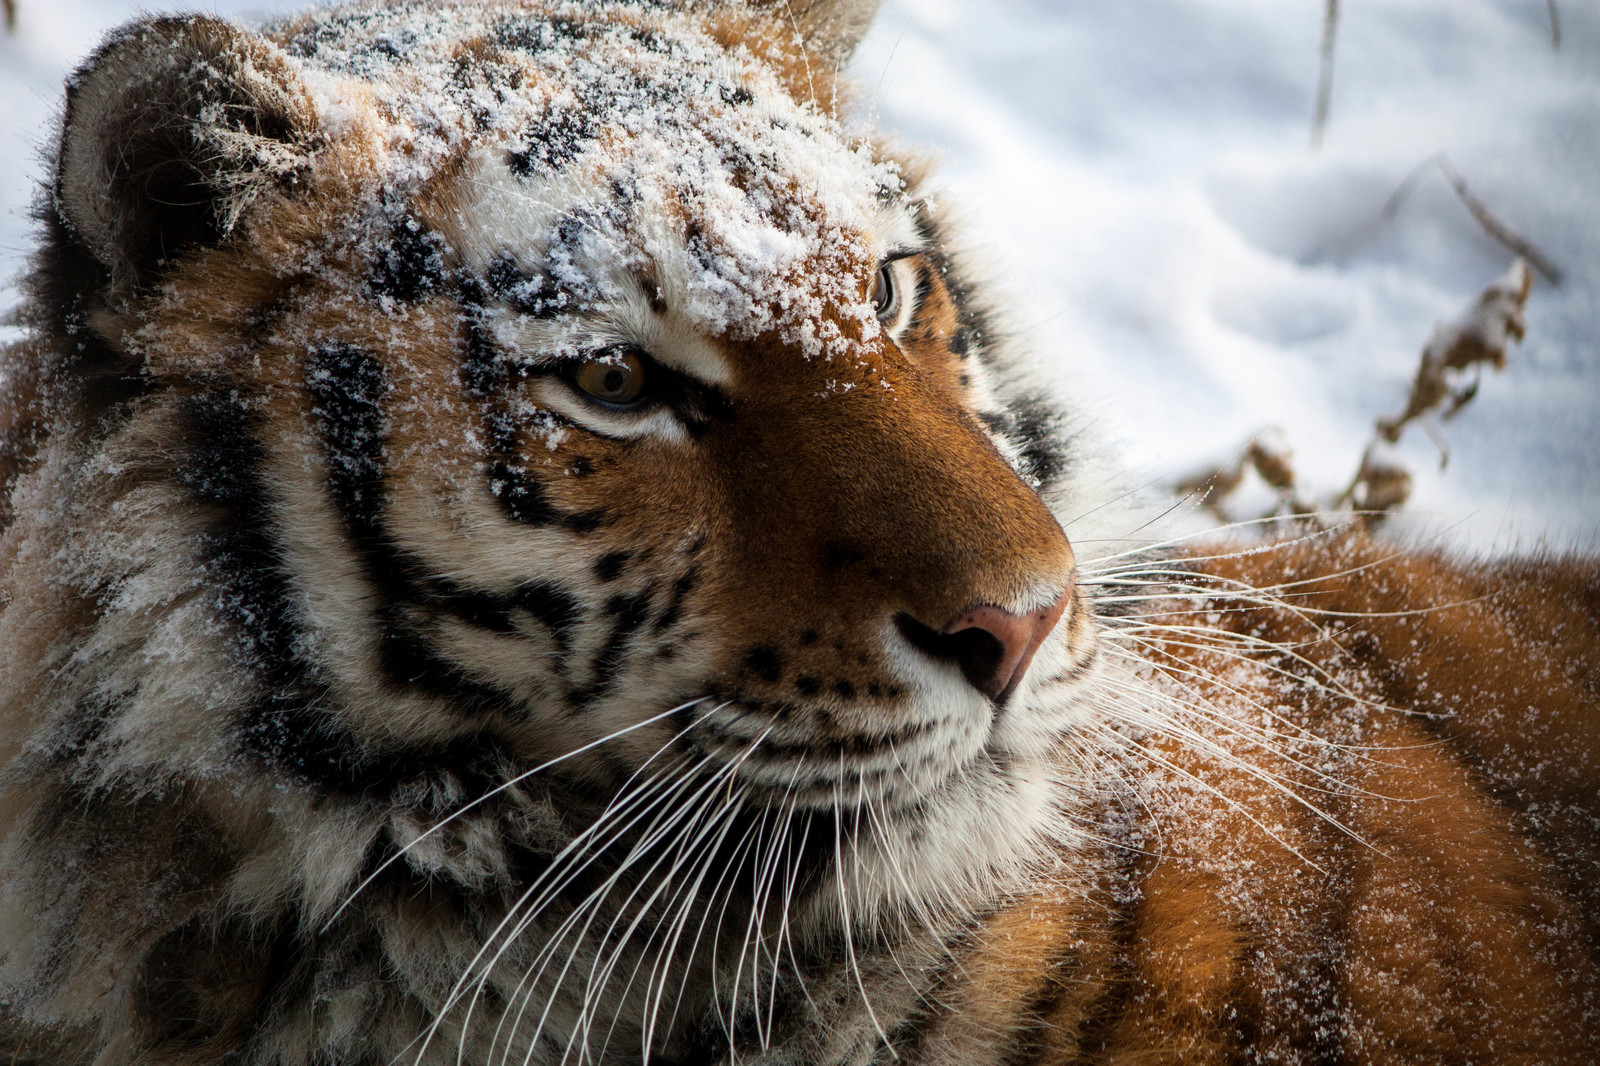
{"x":999,"y":645}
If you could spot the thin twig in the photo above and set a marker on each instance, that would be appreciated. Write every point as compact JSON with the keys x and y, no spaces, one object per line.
{"x":1408,"y":184}
{"x":1330,"y":34}
{"x":1480,"y":211}
{"x":1555,"y":25}
{"x":11,"y":15}
{"x":1494,"y":227}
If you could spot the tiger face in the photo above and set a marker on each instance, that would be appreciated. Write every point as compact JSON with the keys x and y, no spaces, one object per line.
{"x":596,"y":373}
{"x":473,"y":395}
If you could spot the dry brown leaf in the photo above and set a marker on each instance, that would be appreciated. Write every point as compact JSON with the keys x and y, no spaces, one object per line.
{"x":1447,"y":378}
{"x":1479,"y":336}
{"x":1382,"y":484}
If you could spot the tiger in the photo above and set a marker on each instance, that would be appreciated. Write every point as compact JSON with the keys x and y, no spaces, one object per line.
{"x":526,"y":540}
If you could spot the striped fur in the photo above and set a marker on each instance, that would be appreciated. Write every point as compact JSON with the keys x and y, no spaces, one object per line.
{"x":375,"y":689}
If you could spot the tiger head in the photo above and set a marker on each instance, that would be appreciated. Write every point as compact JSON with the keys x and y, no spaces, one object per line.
{"x":468,"y":391}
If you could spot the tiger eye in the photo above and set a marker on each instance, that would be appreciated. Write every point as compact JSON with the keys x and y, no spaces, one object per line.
{"x":883,"y":294}
{"x":615,"y":376}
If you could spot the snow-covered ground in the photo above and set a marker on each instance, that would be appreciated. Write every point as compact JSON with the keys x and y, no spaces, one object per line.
{"x":1140,"y":172}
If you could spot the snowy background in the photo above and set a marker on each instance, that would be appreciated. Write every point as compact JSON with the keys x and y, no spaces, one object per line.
{"x":1140,"y":175}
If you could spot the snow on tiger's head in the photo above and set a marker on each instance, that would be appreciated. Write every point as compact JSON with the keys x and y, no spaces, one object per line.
{"x":591,"y":144}
{"x":584,"y":150}
{"x":555,"y":366}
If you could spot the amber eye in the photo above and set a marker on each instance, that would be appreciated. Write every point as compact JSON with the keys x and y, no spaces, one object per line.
{"x":615,"y":376}
{"x":885,"y":296}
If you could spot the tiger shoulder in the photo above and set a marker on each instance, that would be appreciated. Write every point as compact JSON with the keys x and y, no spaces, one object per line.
{"x":524,"y":541}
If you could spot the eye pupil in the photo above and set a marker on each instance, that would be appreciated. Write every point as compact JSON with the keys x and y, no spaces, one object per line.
{"x":615,"y":379}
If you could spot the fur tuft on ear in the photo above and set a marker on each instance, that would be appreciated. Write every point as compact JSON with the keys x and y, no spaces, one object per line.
{"x":172,"y":127}
{"x":831,"y":29}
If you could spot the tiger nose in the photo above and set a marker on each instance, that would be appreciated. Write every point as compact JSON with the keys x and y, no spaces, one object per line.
{"x":992,"y":646}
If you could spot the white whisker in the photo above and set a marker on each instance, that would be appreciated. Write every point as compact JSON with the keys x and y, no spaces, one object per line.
{"x":513,"y":782}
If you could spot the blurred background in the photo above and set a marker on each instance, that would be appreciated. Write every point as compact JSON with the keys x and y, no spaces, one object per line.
{"x":1140,"y":176}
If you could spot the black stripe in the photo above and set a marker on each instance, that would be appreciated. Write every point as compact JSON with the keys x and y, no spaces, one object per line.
{"x":476,"y":607}
{"x":522,"y":497}
{"x":555,"y":608}
{"x":674,"y":608}
{"x":483,"y":372}
{"x":997,"y":422}
{"x":610,"y":565}
{"x":348,"y":387}
{"x":410,"y":263}
{"x":584,"y":521}
{"x":1034,"y":1038}
{"x":409,"y":660}
{"x":223,"y":473}
{"x":553,"y":140}
{"x":299,"y":736}
{"x":1039,"y":430}
{"x":535,"y":295}
{"x":75,"y":736}
{"x":630,"y":611}
{"x":63,"y":285}
{"x":524,"y":500}
{"x":765,"y":662}
{"x":1035,"y":429}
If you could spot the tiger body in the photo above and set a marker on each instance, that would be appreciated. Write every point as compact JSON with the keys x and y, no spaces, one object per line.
{"x":524,"y":542}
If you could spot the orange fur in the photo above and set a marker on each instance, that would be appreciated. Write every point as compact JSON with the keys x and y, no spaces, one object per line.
{"x":1441,"y":911}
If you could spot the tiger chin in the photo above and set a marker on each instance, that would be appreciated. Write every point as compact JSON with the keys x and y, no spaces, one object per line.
{"x":523,"y":542}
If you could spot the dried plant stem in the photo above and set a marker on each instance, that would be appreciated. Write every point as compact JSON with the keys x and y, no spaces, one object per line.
{"x":1330,"y":34}
{"x":11,"y":14}
{"x":1408,"y":184}
{"x":1555,"y":25}
{"x":1382,"y":484}
{"x":1494,"y":227}
{"x":1486,"y":218}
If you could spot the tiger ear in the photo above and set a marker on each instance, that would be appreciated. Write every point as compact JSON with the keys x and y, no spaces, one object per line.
{"x":830,"y":29}
{"x":172,"y":127}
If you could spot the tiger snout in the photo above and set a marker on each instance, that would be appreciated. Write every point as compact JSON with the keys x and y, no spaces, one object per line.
{"x":993,"y":646}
